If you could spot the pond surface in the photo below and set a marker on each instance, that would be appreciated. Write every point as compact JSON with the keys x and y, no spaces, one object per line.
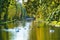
{"x":15,"y":31}
{"x":28,"y":31}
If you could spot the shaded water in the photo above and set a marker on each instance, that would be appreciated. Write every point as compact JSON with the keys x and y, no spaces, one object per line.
{"x":48,"y":33}
{"x":31,"y":31}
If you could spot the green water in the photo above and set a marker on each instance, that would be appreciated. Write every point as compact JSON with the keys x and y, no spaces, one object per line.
{"x":35,"y":33}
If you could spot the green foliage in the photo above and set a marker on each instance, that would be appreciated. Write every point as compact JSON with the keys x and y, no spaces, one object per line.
{"x":32,"y":6}
{"x":4,"y":8}
{"x":47,"y":7}
{"x":8,"y":10}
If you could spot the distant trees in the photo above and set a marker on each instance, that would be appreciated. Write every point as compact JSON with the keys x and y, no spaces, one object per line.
{"x":8,"y":10}
{"x":4,"y":9}
{"x":43,"y":8}
{"x":32,"y":7}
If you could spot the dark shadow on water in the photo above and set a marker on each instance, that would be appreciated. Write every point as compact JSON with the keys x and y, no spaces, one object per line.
{"x":4,"y":35}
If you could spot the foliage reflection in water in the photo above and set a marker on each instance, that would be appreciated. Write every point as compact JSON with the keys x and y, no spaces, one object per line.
{"x":16,"y":32}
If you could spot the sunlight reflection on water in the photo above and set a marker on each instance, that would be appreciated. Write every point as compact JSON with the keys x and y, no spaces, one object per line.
{"x":20,"y":32}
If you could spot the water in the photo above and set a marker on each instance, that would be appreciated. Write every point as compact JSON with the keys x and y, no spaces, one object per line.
{"x":18,"y":32}
{"x":31,"y":31}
